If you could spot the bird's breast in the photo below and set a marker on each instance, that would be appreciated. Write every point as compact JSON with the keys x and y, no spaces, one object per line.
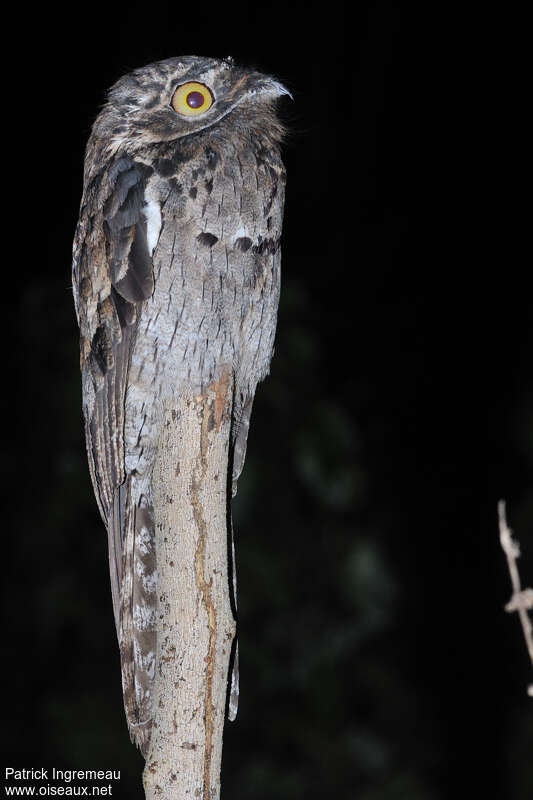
{"x":216,"y":281}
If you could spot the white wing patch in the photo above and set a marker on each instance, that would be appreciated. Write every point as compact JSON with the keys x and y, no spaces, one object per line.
{"x":152,"y":215}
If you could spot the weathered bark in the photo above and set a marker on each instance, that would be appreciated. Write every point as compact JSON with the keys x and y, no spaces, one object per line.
{"x":195,"y":625}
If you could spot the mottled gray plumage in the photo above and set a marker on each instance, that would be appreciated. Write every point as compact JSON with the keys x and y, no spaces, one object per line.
{"x":176,"y":274}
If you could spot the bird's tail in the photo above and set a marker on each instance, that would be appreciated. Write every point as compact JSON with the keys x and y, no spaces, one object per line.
{"x":138,"y":608}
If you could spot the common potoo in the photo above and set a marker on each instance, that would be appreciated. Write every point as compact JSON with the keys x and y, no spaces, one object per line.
{"x":176,"y":271}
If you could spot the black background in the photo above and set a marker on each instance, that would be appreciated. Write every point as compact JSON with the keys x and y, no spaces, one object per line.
{"x":376,"y":659}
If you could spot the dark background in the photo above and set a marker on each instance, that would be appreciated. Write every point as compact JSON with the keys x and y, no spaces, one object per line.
{"x":376,"y":660}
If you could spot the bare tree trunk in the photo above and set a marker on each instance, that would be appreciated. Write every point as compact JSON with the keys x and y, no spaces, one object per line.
{"x":195,"y":626}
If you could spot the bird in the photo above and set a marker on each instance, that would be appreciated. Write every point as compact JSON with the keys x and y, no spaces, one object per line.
{"x":176,"y":271}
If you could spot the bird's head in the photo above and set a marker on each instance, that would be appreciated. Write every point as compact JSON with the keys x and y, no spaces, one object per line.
{"x":171,"y":99}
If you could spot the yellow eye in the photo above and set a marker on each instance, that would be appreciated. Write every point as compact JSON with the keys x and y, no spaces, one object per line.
{"x":192,"y":99}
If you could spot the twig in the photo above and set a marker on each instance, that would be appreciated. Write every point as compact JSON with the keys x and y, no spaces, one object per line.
{"x":521,"y":600}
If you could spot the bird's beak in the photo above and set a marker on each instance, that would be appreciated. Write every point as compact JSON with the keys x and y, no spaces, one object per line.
{"x":279,"y":89}
{"x":270,"y":88}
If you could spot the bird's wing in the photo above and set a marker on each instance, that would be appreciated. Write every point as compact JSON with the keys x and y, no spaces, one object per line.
{"x":240,"y":429}
{"x":241,"y":424}
{"x":266,"y":258}
{"x":112,"y":276}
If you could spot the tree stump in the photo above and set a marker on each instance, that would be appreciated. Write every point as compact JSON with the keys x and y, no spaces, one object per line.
{"x":195,"y":625}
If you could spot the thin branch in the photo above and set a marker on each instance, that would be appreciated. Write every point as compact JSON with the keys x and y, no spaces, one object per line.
{"x":522,"y":599}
